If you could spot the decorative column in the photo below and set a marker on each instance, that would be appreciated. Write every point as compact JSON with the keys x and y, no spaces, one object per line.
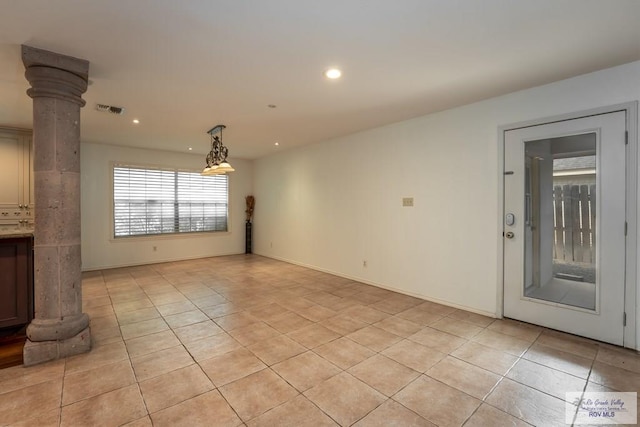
{"x":59,"y":328}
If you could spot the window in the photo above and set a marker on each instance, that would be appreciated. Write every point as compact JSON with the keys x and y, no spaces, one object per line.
{"x":149,"y":201}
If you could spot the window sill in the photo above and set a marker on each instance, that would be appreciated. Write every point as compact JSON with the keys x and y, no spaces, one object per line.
{"x":174,"y":236}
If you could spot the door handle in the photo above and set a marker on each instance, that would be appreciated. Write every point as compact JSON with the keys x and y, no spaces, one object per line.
{"x":509,"y":234}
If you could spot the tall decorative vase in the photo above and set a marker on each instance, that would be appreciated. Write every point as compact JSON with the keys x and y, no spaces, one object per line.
{"x":251,"y":203}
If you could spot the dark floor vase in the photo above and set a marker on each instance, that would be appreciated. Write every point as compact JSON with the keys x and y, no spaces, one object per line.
{"x":247,"y":242}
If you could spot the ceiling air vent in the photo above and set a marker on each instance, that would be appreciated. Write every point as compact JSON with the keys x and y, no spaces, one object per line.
{"x":110,"y":109}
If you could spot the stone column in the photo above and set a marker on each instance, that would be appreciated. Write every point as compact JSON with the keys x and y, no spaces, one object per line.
{"x":60,"y":328}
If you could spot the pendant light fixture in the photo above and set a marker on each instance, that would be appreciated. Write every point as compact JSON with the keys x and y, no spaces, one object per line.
{"x":217,"y":158}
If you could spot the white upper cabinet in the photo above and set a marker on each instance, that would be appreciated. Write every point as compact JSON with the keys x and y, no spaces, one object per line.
{"x":16,"y":177}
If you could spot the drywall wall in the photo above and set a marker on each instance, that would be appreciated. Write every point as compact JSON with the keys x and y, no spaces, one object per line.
{"x":101,"y":250}
{"x":338,"y":204}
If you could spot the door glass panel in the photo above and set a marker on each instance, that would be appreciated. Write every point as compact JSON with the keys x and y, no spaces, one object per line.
{"x":560,"y":220}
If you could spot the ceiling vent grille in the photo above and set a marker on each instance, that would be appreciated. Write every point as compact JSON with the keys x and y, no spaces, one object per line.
{"x":110,"y":109}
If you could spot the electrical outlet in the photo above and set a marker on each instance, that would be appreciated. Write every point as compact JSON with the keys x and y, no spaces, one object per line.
{"x":407,"y":201}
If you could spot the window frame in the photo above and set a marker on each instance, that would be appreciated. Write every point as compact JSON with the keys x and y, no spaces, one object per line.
{"x":173,"y":235}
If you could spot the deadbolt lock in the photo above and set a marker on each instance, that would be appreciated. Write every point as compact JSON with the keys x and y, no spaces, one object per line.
{"x":509,"y":234}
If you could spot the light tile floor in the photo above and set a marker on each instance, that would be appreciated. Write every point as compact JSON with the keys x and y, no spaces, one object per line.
{"x":246,"y":340}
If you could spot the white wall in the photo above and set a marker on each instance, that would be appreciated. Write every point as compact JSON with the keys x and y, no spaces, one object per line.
{"x":335,"y":204}
{"x":100,"y":250}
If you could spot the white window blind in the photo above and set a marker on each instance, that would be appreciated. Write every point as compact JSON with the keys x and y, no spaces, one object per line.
{"x":163,"y":201}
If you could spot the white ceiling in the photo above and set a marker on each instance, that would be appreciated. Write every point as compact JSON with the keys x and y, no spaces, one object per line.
{"x":182,"y":67}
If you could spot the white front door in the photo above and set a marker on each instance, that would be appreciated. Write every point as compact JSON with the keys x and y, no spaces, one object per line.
{"x":564,"y":225}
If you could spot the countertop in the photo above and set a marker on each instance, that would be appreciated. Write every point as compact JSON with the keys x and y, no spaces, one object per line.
{"x":13,"y":233}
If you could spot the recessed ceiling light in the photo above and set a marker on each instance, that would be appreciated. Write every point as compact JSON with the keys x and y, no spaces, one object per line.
{"x":190,"y":148}
{"x":333,"y":73}
{"x":136,"y":121}
{"x":276,"y":144}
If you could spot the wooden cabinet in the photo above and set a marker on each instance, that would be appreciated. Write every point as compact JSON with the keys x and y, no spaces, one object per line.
{"x":16,"y":281}
{"x":16,"y":178}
